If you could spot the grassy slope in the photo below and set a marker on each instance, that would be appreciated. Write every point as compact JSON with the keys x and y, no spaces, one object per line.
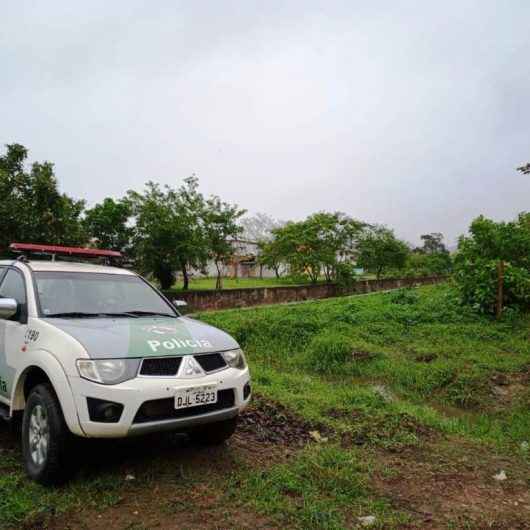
{"x":420,"y":363}
{"x":438,"y":359}
{"x":381,"y":369}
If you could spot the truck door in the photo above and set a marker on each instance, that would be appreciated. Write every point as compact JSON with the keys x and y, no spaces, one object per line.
{"x":12,"y":331}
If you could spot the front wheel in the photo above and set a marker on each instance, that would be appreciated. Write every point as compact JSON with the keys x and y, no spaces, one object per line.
{"x":214,"y":433}
{"x":45,"y":437}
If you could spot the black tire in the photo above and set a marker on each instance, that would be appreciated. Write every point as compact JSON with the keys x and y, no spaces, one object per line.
{"x":55,"y":467}
{"x":214,"y":433}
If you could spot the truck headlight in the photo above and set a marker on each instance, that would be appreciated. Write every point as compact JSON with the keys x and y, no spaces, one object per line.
{"x":108,"y":371}
{"x":235,"y":359}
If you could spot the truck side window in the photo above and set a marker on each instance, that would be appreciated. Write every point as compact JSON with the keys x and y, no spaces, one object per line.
{"x":13,"y":287}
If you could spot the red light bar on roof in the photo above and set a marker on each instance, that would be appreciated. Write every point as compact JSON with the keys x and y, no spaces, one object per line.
{"x":70,"y":251}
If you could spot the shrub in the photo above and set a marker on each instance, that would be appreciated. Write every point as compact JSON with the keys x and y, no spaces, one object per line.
{"x":404,"y":296}
{"x":489,"y":248}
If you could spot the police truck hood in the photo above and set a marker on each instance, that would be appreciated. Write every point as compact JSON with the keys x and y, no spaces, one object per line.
{"x":111,"y":338}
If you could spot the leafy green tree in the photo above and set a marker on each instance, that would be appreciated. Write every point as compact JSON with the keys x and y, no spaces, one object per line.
{"x":297,"y":247}
{"x":220,"y":224}
{"x":169,"y":234}
{"x":421,"y":264}
{"x":191,"y":205}
{"x":108,"y":224}
{"x":32,"y":209}
{"x":492,"y":265}
{"x":270,"y":255}
{"x":316,"y":245}
{"x":432,"y":258}
{"x":433,"y":243}
{"x":380,"y":250}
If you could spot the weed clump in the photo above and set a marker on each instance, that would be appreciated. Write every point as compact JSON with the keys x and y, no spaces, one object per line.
{"x":406,"y":296}
{"x":329,"y":351}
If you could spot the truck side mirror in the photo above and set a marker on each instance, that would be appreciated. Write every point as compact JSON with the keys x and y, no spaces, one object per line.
{"x":8,"y":308}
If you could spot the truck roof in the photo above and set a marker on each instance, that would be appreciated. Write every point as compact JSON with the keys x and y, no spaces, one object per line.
{"x":70,"y":266}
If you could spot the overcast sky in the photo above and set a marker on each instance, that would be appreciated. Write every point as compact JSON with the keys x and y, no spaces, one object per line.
{"x":409,"y":113}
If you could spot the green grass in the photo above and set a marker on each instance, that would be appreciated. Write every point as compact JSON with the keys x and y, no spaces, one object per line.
{"x":429,"y":351}
{"x":23,"y":501}
{"x":384,"y":371}
{"x":198,"y":284}
{"x":314,"y":490}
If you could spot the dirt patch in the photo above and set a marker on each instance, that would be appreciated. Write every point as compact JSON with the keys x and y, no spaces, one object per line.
{"x":360,"y":355}
{"x":271,"y":423}
{"x":198,"y":508}
{"x":508,"y":389}
{"x":426,"y":357}
{"x":452,"y":485}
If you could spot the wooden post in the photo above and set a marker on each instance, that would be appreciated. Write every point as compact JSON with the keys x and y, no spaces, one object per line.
{"x":500,"y":288}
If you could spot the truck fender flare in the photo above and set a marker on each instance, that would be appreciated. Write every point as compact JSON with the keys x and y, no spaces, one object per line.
{"x":46,"y":362}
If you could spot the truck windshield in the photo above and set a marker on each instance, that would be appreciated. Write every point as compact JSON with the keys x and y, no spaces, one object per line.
{"x":80,"y":295}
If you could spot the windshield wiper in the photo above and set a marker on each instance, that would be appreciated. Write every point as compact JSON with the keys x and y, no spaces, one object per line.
{"x":123,"y":314}
{"x":73,"y":314}
{"x":150,"y":314}
{"x":77,"y":314}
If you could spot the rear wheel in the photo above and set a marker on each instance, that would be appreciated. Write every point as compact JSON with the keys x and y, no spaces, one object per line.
{"x":214,"y":433}
{"x":45,"y":437}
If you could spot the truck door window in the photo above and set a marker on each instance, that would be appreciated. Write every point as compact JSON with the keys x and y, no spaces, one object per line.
{"x":13,"y":287}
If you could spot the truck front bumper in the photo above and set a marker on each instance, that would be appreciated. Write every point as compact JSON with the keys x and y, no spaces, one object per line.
{"x":141,"y":395}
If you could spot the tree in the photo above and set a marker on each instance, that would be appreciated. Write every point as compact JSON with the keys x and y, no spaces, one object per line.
{"x":191,"y":206}
{"x":108,"y":224}
{"x":270,"y":255}
{"x":433,"y":243}
{"x":379,"y":250}
{"x":315,"y":245}
{"x":259,"y":227}
{"x":432,"y":258}
{"x":492,"y":265}
{"x":220,"y":222}
{"x":32,"y":209}
{"x":169,"y":234}
{"x":421,"y":264}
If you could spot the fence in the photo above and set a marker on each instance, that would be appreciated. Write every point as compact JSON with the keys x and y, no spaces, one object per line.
{"x":231,"y":298}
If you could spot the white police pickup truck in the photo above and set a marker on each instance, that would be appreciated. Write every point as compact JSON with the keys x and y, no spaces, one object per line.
{"x":96,"y":351}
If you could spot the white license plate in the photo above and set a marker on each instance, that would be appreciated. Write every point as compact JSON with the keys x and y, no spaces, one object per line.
{"x":195,"y":396}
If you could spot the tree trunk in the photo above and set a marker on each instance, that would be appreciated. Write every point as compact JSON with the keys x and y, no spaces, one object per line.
{"x":261,"y":271}
{"x":185,"y":278}
{"x":277,"y":271}
{"x":219,"y":280}
{"x":500,"y":288}
{"x":165,"y":276}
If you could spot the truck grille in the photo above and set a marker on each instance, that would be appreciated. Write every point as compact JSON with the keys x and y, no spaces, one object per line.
{"x":169,"y":366}
{"x":161,"y":366}
{"x":211,"y":361}
{"x":164,"y":409}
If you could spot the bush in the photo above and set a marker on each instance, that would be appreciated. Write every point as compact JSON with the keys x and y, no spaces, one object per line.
{"x":479,"y":255}
{"x":345,"y":274}
{"x":404,"y":296}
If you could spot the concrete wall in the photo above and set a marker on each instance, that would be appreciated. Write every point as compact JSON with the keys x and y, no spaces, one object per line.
{"x":211,"y":299}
